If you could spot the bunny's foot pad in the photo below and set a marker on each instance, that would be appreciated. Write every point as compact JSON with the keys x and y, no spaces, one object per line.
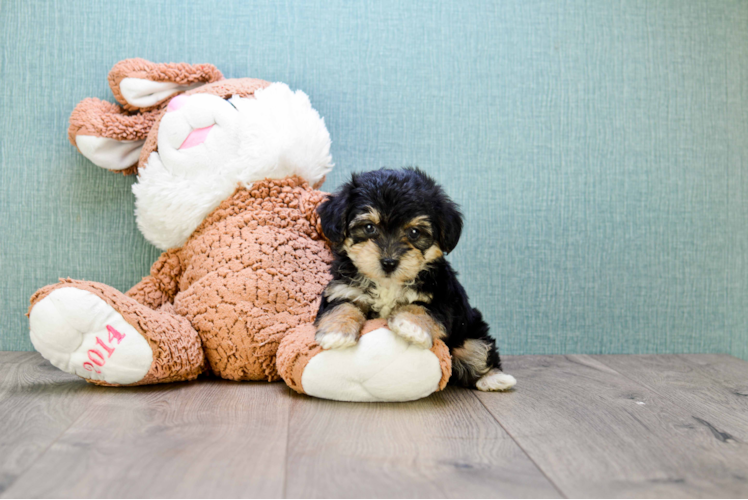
{"x":381,"y":367}
{"x":81,"y":334}
{"x":99,"y":333}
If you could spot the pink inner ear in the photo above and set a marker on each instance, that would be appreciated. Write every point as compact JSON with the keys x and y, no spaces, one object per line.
{"x":196,"y":137}
{"x":177,"y":103}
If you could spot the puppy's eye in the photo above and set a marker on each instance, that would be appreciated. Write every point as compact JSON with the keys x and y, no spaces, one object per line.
{"x":370,"y":230}
{"x":414,"y":234}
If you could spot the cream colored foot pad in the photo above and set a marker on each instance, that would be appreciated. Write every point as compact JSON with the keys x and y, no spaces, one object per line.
{"x":382,"y":366}
{"x":80,"y":333}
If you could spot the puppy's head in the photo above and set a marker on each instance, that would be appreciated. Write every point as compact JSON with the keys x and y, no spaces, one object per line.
{"x":391,"y":223}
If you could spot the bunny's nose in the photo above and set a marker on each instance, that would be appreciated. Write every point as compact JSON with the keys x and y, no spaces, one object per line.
{"x":177,"y":103}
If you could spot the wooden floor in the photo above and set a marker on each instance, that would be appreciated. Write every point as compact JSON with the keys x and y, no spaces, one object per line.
{"x":576,"y":426}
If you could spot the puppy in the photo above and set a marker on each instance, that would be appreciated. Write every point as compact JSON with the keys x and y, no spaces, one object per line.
{"x":390,"y":230}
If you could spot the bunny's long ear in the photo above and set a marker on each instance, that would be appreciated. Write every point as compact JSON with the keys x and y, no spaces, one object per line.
{"x":108,"y":136}
{"x":138,"y":84}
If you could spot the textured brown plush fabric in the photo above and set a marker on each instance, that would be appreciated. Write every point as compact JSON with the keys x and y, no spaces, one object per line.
{"x":294,"y":353}
{"x":177,"y":354}
{"x":251,"y":272}
{"x":445,"y":361}
{"x":181,"y":73}
{"x":299,"y":347}
{"x":161,"y":286}
{"x":99,"y":118}
{"x":373,"y":324}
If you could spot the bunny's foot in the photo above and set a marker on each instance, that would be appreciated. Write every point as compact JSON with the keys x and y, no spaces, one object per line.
{"x":97,"y":333}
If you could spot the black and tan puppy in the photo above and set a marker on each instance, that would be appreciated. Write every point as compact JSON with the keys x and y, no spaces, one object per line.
{"x":390,"y":230}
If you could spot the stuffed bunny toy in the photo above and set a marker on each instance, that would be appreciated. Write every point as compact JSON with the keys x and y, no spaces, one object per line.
{"x":228,"y":171}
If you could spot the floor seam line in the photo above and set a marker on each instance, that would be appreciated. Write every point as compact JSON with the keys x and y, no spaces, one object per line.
{"x":44,"y":452}
{"x":552,"y":483}
{"x":647,"y":386}
{"x":284,"y":490}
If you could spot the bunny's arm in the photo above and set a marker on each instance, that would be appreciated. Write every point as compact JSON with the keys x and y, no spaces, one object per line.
{"x":162,"y":284}
{"x":310,"y":200}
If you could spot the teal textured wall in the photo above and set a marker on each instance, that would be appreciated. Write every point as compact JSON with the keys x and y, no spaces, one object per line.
{"x":599,"y":149}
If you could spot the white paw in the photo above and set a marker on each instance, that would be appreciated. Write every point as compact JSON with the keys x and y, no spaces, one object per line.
{"x":411,"y":332}
{"x":80,"y":333}
{"x":495,"y":380}
{"x":335,"y":340}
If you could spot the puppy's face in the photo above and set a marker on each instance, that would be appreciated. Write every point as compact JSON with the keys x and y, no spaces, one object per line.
{"x":391,"y":223}
{"x":382,"y":248}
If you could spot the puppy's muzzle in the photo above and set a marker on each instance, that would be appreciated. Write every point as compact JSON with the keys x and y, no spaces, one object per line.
{"x":389,"y":265}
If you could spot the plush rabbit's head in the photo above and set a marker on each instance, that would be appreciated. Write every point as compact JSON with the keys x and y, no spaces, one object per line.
{"x":193,"y":137}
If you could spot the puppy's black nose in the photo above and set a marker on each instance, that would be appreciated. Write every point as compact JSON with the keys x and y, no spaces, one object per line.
{"x":389,"y":265}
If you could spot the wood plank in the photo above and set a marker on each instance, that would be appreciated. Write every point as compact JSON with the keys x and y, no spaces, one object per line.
{"x":712,"y":388}
{"x":614,"y":426}
{"x":209,"y":438}
{"x":38,"y":403}
{"x":723,"y":367}
{"x":10,"y":364}
{"x":446,"y":445}
{"x":596,"y":433}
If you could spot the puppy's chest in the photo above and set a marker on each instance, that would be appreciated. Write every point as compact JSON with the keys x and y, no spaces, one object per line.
{"x":381,"y":299}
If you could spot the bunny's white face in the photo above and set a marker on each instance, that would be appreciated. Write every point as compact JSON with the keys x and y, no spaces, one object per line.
{"x":196,"y":130}
{"x":207,"y":146}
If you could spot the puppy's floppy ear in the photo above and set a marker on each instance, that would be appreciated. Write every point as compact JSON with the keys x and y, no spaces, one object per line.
{"x":449,"y":224}
{"x":333,"y":213}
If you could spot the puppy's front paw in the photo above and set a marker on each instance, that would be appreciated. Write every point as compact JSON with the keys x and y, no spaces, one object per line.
{"x":410,"y":331}
{"x":495,"y":380}
{"x":339,"y":327}
{"x":335,"y":340}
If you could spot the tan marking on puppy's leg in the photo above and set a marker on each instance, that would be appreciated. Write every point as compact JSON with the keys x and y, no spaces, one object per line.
{"x":470,"y":361}
{"x":415,"y":324}
{"x":339,"y":327}
{"x":344,"y":291}
{"x":419,"y":316}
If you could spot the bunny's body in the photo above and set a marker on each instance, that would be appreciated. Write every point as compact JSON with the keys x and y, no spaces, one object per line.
{"x":250,"y":273}
{"x":227,"y":177}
